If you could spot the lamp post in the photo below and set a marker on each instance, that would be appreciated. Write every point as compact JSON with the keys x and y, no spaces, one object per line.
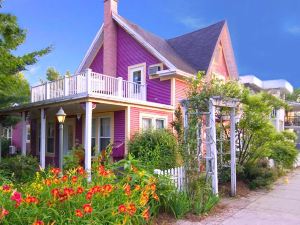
{"x":61,"y":116}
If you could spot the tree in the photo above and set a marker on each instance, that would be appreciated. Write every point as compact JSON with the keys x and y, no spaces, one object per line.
{"x":295,"y":96}
{"x":14,"y":87}
{"x":52,"y":74}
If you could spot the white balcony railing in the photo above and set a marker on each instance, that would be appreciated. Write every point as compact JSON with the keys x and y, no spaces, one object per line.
{"x":88,"y":83}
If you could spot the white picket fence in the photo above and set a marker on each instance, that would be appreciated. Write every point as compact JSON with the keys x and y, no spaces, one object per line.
{"x":177,"y":176}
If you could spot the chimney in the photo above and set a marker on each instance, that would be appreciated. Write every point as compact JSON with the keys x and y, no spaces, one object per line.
{"x":110,"y":38}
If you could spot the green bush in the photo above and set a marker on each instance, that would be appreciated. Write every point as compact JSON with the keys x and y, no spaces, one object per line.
{"x":75,"y":158}
{"x":284,"y":151}
{"x":157,"y":149}
{"x":20,"y":168}
{"x":259,"y":175}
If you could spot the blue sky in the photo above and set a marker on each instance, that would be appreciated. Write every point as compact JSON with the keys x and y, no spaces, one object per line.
{"x":265,"y":33}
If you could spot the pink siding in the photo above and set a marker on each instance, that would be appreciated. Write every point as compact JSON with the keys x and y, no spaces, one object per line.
{"x":219,"y":66}
{"x":180,"y":90}
{"x":135,"y":118}
{"x":131,"y":53}
{"x":97,"y":64}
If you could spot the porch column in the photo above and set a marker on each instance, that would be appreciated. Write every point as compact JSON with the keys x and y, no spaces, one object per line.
{"x":88,"y":138}
{"x":233,"y":152}
{"x":43,"y":139}
{"x":24,"y":135}
{"x":213,"y":147}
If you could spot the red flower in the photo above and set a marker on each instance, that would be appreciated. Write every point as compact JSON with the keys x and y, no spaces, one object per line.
{"x":122,"y":208}
{"x":6,"y":188}
{"x":69,"y":191}
{"x":80,"y":170}
{"x":103,"y":172}
{"x":146,"y":214}
{"x":155,"y":196}
{"x":4,"y":212}
{"x":131,"y":209}
{"x":108,"y":188}
{"x":74,"y":179}
{"x":153,"y":187}
{"x":64,"y":178}
{"x":55,"y":192}
{"x":80,"y":190}
{"x":78,"y":213}
{"x":87,"y":208}
{"x":31,"y":199}
{"x":55,"y":171}
{"x":127,"y":189}
{"x":47,"y":182}
{"x":89,"y":195}
{"x":17,"y":197}
{"x":38,"y":222}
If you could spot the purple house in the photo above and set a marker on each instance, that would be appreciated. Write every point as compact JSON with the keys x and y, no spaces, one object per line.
{"x":128,"y":80}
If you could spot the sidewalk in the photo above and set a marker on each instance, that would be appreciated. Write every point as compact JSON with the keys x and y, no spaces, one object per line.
{"x":280,"y":206}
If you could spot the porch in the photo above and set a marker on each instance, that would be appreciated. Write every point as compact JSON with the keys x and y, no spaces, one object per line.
{"x":88,"y":124}
{"x":89,"y":83}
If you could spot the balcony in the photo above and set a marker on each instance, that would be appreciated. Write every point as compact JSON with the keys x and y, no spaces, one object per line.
{"x":89,"y":83}
{"x":292,"y":121}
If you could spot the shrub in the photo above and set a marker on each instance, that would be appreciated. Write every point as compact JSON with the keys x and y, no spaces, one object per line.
{"x":114,"y":196}
{"x":75,"y":158}
{"x":21,"y":168}
{"x":259,"y":175}
{"x":157,"y":149}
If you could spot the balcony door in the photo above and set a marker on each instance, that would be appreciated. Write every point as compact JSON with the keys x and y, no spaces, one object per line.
{"x":137,"y":77}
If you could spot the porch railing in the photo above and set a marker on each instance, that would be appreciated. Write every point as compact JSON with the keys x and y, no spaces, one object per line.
{"x":89,"y":83}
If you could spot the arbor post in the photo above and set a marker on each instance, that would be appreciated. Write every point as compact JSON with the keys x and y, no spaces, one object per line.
{"x":233,"y":151}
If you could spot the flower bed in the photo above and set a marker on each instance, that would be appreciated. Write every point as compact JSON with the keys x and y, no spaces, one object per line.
{"x":114,"y":196}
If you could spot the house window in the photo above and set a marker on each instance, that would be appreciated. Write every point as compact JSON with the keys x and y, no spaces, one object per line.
{"x":50,"y":137}
{"x":104,"y":133}
{"x":147,"y":123}
{"x":153,"y":122}
{"x":7,"y":133}
{"x":153,"y":69}
{"x":94,"y":127}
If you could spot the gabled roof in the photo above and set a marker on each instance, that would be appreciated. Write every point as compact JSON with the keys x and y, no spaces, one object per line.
{"x":198,"y":47}
{"x":189,"y":53}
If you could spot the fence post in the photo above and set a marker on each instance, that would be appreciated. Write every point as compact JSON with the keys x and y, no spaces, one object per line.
{"x":66,"y":86}
{"x":88,"y":74}
{"x":47,"y":90}
{"x":120,"y":87}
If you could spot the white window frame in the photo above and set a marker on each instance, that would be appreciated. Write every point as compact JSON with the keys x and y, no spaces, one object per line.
{"x":153,"y":117}
{"x":99,"y":131}
{"x":138,"y":67}
{"x":28,"y":133}
{"x":47,"y":137}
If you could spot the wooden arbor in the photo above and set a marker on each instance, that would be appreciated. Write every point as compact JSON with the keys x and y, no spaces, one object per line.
{"x":207,"y":137}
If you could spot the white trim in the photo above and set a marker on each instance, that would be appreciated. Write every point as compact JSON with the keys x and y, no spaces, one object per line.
{"x":90,"y":49}
{"x":143,"y":42}
{"x":43,"y":139}
{"x":173,"y":92}
{"x":153,"y":117}
{"x":138,"y":67}
{"x":24,"y":136}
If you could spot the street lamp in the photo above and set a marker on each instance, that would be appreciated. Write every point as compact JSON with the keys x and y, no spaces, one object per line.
{"x":61,"y":116}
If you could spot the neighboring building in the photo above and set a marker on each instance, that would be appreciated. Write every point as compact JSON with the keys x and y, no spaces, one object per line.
{"x":292,"y":119}
{"x":129,"y":80}
{"x":279,"y":88}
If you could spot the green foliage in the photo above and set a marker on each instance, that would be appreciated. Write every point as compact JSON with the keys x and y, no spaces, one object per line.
{"x":177,"y":124}
{"x":283,"y":149}
{"x":295,"y":96}
{"x":202,"y":199}
{"x":75,"y":158}
{"x":157,"y":149}
{"x":52,"y":74}
{"x":259,"y":175}
{"x":20,"y":168}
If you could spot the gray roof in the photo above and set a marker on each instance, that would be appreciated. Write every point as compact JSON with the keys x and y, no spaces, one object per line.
{"x":191,"y":52}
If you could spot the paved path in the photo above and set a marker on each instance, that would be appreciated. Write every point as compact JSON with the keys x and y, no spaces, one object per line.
{"x":280,"y":206}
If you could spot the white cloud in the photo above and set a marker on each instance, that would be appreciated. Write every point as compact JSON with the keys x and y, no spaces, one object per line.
{"x":193,"y":22}
{"x":33,"y":70}
{"x":294,"y":29}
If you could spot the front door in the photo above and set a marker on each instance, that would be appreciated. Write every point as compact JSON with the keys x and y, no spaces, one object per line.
{"x":69,"y":135}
